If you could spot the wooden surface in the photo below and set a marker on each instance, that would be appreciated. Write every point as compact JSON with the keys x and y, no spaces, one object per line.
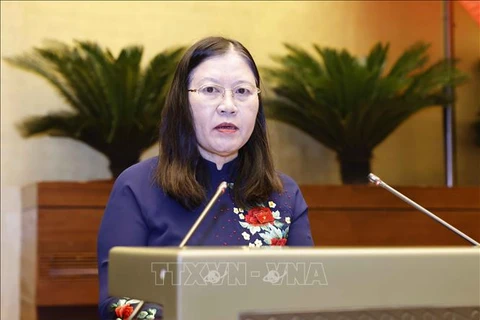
{"x":60,"y":223}
{"x":371,"y":216}
{"x":59,"y":264}
{"x":28,"y":265}
{"x":93,"y":194}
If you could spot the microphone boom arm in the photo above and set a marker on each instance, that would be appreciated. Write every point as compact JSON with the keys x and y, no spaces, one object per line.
{"x":220,"y":190}
{"x":378,"y":182}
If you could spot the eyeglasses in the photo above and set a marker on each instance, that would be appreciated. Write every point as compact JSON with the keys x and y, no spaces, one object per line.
{"x":214,"y":93}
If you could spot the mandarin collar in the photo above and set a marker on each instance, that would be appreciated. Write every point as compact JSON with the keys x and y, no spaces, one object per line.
{"x":226,"y":173}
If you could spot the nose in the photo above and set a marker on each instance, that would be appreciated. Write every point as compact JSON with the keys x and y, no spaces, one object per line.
{"x":227,"y":105}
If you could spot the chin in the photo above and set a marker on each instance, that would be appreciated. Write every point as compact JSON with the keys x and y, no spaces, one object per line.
{"x":226,"y":152}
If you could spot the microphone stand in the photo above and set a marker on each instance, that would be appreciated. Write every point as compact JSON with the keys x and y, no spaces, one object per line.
{"x":220,"y":190}
{"x":378,"y":182}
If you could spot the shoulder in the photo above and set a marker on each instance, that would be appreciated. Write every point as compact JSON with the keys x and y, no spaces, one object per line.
{"x":289,"y":185}
{"x":137,"y":183}
{"x":291,"y":194}
{"x":138,"y":175}
{"x":141,"y":169}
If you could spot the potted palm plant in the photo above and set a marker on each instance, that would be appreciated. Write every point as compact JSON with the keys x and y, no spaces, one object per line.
{"x":477,"y":131}
{"x":115,"y":104}
{"x":114,"y":107}
{"x":476,"y":124}
{"x":351,"y":104}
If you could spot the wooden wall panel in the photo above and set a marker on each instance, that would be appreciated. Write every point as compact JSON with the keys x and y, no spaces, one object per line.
{"x":93,"y":194}
{"x":371,"y":216}
{"x":66,"y":229}
{"x":60,"y":240}
{"x":61,"y":219}
{"x":70,"y":292}
{"x":370,"y":197}
{"x":28,"y":265}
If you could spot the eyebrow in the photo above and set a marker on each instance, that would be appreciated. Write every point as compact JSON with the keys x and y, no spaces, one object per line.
{"x":236,"y":83}
{"x":209,"y":79}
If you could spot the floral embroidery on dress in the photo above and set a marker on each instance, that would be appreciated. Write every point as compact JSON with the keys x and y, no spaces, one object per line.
{"x":264,"y":222}
{"x":246,"y":235}
{"x":123,"y":310}
{"x":275,"y":236}
{"x":149,"y":314}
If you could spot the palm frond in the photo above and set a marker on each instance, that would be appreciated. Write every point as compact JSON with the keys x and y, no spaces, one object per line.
{"x":349,"y":103}
{"x":35,"y":64}
{"x":154,"y":84}
{"x":377,"y":58}
{"x":115,"y":103}
{"x":62,"y":123}
{"x":414,"y":58}
{"x":435,"y":78}
{"x":300,"y":118}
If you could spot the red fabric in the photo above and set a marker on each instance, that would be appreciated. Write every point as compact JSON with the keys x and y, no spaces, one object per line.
{"x":472,"y":7}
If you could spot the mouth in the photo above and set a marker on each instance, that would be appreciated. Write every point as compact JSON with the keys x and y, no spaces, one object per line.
{"x":226,"y":127}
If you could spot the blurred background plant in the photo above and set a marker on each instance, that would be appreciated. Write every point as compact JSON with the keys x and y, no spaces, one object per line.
{"x":476,"y":125}
{"x":350,"y":104}
{"x":477,"y":130}
{"x":115,"y":104}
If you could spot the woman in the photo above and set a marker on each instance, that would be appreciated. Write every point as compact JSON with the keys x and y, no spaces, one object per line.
{"x":213,"y":129}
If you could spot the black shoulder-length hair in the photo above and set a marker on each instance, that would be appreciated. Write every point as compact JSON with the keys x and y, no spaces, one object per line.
{"x":179,"y":172}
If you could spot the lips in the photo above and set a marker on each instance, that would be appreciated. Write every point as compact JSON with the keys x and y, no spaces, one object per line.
{"x":226,"y":127}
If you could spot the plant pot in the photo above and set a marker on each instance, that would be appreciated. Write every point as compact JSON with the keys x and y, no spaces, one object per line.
{"x":121,"y":161}
{"x":354,"y":170}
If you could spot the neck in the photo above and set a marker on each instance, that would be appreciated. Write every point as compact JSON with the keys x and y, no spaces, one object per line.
{"x":219,"y":160}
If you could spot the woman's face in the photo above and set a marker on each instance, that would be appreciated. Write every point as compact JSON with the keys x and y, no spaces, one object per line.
{"x":224,"y":106}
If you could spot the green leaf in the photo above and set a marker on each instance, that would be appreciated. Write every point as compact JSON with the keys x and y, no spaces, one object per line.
{"x":351,"y":104}
{"x":115,"y":105}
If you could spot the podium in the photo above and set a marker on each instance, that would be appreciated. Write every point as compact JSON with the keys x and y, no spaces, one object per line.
{"x":274,"y":283}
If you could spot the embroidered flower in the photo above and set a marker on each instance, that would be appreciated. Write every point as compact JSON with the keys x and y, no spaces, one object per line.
{"x":252,"y":229}
{"x":150,"y":314}
{"x":123,"y":312}
{"x":275,"y":236}
{"x":268,"y":224}
{"x":259,"y":216}
{"x":123,"y":308}
{"x":121,"y":302}
{"x":278,"y":242}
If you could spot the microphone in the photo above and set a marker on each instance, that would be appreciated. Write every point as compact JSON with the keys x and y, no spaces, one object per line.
{"x":378,"y":182}
{"x":220,"y":190}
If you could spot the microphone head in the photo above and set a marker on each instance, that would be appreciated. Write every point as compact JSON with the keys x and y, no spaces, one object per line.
{"x":222,"y":186}
{"x":374,"y":179}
